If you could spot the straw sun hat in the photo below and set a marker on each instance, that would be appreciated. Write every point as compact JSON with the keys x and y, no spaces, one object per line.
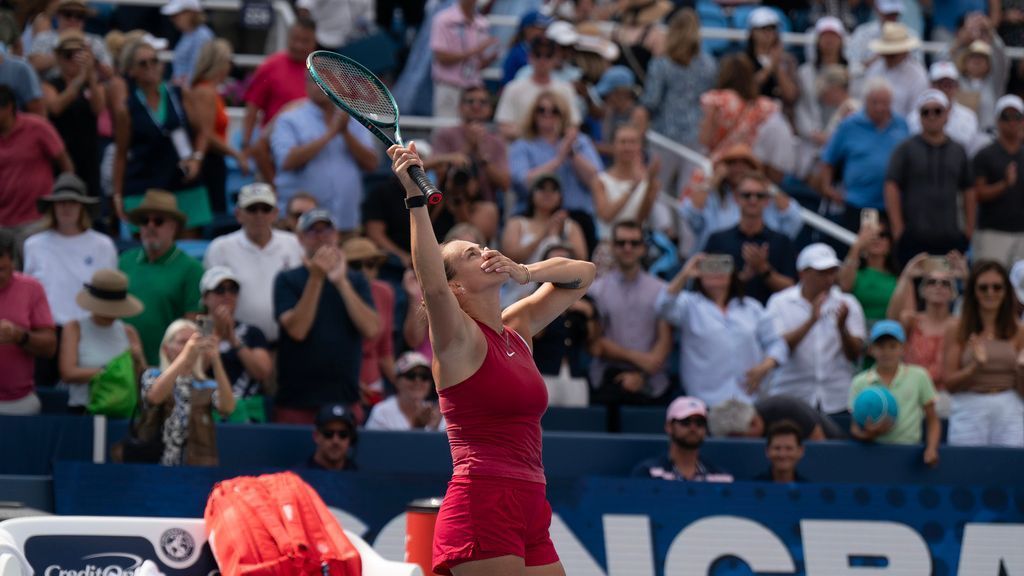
{"x":107,"y":295}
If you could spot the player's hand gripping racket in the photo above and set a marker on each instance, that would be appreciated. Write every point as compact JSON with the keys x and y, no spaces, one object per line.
{"x":357,"y":91}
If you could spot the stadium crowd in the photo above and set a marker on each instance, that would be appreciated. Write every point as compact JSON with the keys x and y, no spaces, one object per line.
{"x":263,"y":274}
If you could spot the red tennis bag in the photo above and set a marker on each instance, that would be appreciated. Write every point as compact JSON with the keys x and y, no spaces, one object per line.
{"x":276,"y":525}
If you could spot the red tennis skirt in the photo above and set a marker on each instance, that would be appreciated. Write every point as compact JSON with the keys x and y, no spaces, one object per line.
{"x":486,"y":517}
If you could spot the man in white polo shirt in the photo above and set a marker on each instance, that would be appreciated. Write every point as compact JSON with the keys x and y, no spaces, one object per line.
{"x":255,"y":254}
{"x":824,"y":329}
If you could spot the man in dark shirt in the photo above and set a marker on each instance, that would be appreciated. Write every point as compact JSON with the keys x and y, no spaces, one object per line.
{"x":686,"y":423}
{"x":737,"y":418}
{"x":784,"y":449}
{"x":325,"y":311}
{"x":335,"y":436}
{"x":1000,"y":190}
{"x":766,"y":256}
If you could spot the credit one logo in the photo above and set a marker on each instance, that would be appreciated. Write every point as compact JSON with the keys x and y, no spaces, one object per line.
{"x":106,"y":564}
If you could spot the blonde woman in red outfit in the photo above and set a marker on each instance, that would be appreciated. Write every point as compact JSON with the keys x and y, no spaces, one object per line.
{"x":495,"y":516}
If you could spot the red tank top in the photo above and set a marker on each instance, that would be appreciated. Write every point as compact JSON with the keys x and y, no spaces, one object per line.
{"x":494,"y":415}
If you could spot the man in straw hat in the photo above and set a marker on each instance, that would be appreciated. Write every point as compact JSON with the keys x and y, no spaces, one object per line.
{"x":906,"y":75}
{"x":163,"y":277}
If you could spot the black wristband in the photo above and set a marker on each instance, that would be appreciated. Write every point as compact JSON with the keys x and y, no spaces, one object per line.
{"x":415,"y":201}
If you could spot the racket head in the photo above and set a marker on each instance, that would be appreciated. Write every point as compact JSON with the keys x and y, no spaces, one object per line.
{"x":353,"y":88}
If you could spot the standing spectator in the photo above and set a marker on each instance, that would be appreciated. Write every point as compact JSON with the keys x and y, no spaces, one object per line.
{"x":29,"y":150}
{"x":764,"y":257}
{"x":861,"y":147}
{"x":521,"y":95}
{"x":928,"y":180}
{"x":824,"y":329}
{"x":962,"y":122}
{"x":784,"y":448}
{"x":1000,"y":191}
{"x":255,"y":254}
{"x":243,"y":348}
{"x":325,"y":312}
{"x":870,"y":270}
{"x":339,"y":22}
{"x":462,"y":44}
{"x":26,"y":332}
{"x":686,"y":424}
{"x":408,"y":408}
{"x":531,"y":26}
{"x":906,"y":75}
{"x":334,"y":435}
{"x":321,"y":150}
{"x":811,"y":113}
{"x":858,"y":49}
{"x":629,"y":361}
{"x":984,"y":66}
{"x":210,"y":70}
{"x":983,"y":363}
{"x":188,"y":18}
{"x":734,"y":111}
{"x":75,"y":99}
{"x":296,"y":206}
{"x":160,"y":275}
{"x":628,"y":189}
{"x":816,"y":122}
{"x":15,"y":72}
{"x":476,"y":143}
{"x":775,"y":68}
{"x":71,"y":15}
{"x":741,"y":419}
{"x":378,"y":361}
{"x":728,"y":344}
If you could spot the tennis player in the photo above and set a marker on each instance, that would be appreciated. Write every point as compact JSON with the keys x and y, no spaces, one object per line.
{"x":495,"y":516}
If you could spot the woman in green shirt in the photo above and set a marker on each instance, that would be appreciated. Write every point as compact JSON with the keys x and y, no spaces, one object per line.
{"x":869,"y":271}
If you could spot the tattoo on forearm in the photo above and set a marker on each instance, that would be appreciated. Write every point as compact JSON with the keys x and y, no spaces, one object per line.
{"x":568,"y":285}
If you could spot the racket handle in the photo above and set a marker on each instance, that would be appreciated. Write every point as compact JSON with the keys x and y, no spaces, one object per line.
{"x":426,"y":186}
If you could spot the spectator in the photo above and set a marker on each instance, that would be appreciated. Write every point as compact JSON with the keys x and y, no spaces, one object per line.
{"x":325,"y":311}
{"x":686,"y":423}
{"x":984,"y":358}
{"x":243,"y":348}
{"x":928,"y":180}
{"x":157,"y":143}
{"x":861,"y":147}
{"x":15,"y":72}
{"x":733,"y":111}
{"x":764,"y":257}
{"x":824,"y":82}
{"x":321,"y":150}
{"x":962,"y":122}
{"x":476,"y":144}
{"x":29,"y":150}
{"x":280,"y":79}
{"x":461,"y":41}
{"x":858,"y":49}
{"x":676,"y":81}
{"x":628,"y":189}
{"x":188,"y":18}
{"x":927,"y":322}
{"x":335,"y":435}
{"x":618,"y":91}
{"x":824,"y":329}
{"x":984,"y":66}
{"x":463,"y":204}
{"x":1000,"y":191}
{"x":784,"y":448}
{"x":93,"y":344}
{"x":909,"y":385}
{"x":905,"y":74}
{"x":729,"y":345}
{"x":869,"y":271}
{"x":520,"y":97}
{"x":255,"y":254}
{"x":211,"y":68}
{"x":735,"y":417}
{"x":160,"y":275}
{"x":339,"y":22}
{"x":408,"y":408}
{"x":71,"y":15}
{"x":629,"y":360}
{"x":26,"y":332}
{"x":182,"y":386}
{"x":531,"y":26}
{"x":75,"y":99}
{"x":378,"y":363}
{"x":775,"y":68}
{"x":296,"y":206}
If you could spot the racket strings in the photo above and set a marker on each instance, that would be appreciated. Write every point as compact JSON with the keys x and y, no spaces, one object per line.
{"x":350,"y":83}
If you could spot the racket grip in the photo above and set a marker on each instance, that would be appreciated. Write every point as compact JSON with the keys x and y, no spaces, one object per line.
{"x":425,"y":185}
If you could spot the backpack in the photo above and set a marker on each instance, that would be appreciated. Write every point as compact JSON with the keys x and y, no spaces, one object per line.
{"x":276,"y":525}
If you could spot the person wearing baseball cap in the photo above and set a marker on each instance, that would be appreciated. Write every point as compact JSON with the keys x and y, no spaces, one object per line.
{"x":775,"y":67}
{"x":532,"y":25}
{"x":188,"y":17}
{"x":408,"y":408}
{"x":860,"y":54}
{"x":1000,"y":190}
{"x":961,"y":122}
{"x":824,"y":328}
{"x":686,"y":425}
{"x":335,"y":435}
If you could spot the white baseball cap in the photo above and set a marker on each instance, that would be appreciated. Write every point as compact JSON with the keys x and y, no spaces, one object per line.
{"x":256,"y":193}
{"x":562,"y":33}
{"x":943,"y":70}
{"x":1009,"y":101}
{"x":829,"y":24}
{"x":214,"y":276}
{"x":178,"y":6}
{"x":932,"y":96}
{"x":889,"y":6}
{"x":762,"y":17}
{"x":817,"y":256}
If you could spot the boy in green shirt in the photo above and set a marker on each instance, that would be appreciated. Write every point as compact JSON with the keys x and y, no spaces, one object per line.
{"x":910,"y":385}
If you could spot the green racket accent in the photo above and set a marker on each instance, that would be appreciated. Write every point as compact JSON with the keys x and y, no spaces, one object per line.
{"x":364,"y":97}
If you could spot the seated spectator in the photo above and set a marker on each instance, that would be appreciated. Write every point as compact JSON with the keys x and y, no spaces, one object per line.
{"x":463,"y":204}
{"x":325,"y":311}
{"x":762,"y":256}
{"x":92,"y":344}
{"x":983,"y":362}
{"x":1000,"y":190}
{"x":408,"y":408}
{"x":775,"y":67}
{"x":462,"y":45}
{"x":824,"y":329}
{"x":737,"y":418}
{"x":15,"y":72}
{"x":519,"y":98}
{"x":728,"y":344}
{"x":629,"y":358}
{"x":980,"y":55}
{"x":296,"y":206}
{"x":476,"y":144}
{"x":188,"y":18}
{"x":628,"y":188}
{"x":928,"y":184}
{"x":211,"y":69}
{"x":378,"y":363}
{"x":962,"y":122}
{"x":784,"y":447}
{"x":734,"y":111}
{"x":904,"y":73}
{"x":160,"y":275}
{"x":335,"y":435}
{"x":686,"y":425}
{"x":243,"y":349}
{"x":255,"y":254}
{"x":71,"y":15}
{"x":184,"y":388}
{"x":531,"y":26}
{"x":909,"y":385}
{"x":618,"y":91}
{"x":870,"y":271}
{"x":26,"y":332}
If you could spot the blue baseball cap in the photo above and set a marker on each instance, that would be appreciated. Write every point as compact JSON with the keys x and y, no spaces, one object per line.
{"x":315,"y":215}
{"x":615,"y":77}
{"x":534,"y":18}
{"x":890,"y":328}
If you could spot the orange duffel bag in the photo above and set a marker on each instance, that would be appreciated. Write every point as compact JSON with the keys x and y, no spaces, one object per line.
{"x":276,"y":525}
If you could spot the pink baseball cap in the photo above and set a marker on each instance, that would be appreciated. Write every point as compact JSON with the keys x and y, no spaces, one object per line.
{"x":685,"y":406}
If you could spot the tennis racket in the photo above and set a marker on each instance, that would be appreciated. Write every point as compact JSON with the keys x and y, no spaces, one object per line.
{"x":359,"y":92}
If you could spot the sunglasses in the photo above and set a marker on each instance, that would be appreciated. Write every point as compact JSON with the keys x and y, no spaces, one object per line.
{"x":633,"y":243}
{"x":364,"y":264}
{"x":68,"y":53}
{"x":548,"y":111}
{"x":260,"y":208}
{"x":147,"y":62}
{"x":73,"y":15}
{"x":422,"y":375}
{"x":154,"y":220}
{"x":993,"y":288}
{"x":928,"y":112}
{"x":692,"y":421}
{"x":226,"y":288}
{"x":476,"y":101}
{"x":341,"y":434}
{"x":938,"y":282}
{"x":1010,"y":117}
{"x":753,"y":195}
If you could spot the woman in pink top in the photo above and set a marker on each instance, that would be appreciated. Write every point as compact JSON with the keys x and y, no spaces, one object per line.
{"x":495,"y":516}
